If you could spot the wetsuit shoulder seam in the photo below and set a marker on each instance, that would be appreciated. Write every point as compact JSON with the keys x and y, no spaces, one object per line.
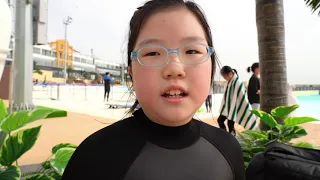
{"x":204,"y":135}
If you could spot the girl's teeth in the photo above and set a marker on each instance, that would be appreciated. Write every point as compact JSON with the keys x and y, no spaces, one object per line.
{"x":174,"y":92}
{"x":175,"y":96}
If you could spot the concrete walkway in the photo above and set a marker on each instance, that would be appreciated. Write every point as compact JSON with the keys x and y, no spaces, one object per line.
{"x":76,"y":127}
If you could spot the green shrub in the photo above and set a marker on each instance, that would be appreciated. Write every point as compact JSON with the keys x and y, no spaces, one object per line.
{"x":253,"y":142}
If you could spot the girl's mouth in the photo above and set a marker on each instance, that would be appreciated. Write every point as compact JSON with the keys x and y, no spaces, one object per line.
{"x":174,"y":94}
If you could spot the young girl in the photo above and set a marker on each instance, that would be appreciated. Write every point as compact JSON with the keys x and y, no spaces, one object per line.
{"x":169,"y":48}
{"x":208,"y":102}
{"x":235,"y":106}
{"x":254,"y":86}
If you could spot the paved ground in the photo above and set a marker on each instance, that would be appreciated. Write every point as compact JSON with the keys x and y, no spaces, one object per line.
{"x":76,"y":127}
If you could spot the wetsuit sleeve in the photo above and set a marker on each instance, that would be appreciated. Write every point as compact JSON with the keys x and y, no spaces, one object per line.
{"x":228,"y":146}
{"x":107,"y":154}
{"x":111,"y":80}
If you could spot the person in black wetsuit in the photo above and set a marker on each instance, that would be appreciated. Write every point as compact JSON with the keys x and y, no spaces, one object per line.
{"x":208,"y":102}
{"x":254,"y":86}
{"x":107,"y":83}
{"x":169,"y":47}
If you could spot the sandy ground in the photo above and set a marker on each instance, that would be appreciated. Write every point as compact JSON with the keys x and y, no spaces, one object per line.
{"x":76,"y":127}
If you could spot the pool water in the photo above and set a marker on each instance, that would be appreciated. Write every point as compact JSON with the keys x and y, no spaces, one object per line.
{"x":309,"y":106}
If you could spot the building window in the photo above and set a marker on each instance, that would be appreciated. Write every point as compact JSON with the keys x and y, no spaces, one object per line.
{"x":54,"y":54}
{"x":76,"y":59}
{"x":46,"y":52}
{"x":60,"y":55}
{"x":36,"y":50}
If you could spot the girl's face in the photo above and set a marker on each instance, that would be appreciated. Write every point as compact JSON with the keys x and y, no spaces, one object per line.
{"x":228,"y":76}
{"x":257,"y":71}
{"x":171,"y":28}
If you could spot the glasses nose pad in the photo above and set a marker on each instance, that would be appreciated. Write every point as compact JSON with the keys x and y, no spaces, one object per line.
{"x":173,"y":51}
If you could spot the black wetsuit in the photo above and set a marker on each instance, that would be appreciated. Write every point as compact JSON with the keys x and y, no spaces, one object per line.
{"x":136,"y":148}
{"x":253,"y":87}
{"x":209,"y":103}
{"x":107,"y":82}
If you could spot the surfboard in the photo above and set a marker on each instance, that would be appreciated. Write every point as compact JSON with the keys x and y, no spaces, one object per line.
{"x":119,"y":105}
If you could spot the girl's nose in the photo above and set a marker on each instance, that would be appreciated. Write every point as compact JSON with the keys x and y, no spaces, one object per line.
{"x":174,"y":68}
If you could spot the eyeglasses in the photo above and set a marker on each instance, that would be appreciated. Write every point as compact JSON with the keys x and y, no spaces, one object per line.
{"x":189,"y":54}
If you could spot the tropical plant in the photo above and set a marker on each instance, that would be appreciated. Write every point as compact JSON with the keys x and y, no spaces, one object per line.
{"x":314,"y":5}
{"x":54,"y":166}
{"x":14,"y":142}
{"x":253,"y":142}
{"x":36,"y":69}
{"x":70,"y":71}
{"x":200,"y":110}
{"x":271,"y":42}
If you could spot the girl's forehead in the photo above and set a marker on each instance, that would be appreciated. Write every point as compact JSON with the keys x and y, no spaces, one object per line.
{"x":167,"y":27}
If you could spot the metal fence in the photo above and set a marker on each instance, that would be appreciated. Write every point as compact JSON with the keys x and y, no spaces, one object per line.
{"x":120,"y":93}
{"x":76,"y":93}
{"x":307,"y":88}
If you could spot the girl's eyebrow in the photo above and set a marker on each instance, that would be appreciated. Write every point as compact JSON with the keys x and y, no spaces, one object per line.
{"x":150,"y":41}
{"x":192,"y":39}
{"x":158,"y":41}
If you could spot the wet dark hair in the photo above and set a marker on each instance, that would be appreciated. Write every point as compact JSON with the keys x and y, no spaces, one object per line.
{"x":227,"y":70}
{"x":253,"y":67}
{"x":107,"y":73}
{"x":153,"y":6}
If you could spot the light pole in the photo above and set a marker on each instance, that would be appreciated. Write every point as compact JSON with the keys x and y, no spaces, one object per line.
{"x":66,"y":23}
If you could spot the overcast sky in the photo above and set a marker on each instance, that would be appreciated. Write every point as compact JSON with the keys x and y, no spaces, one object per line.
{"x":103,"y":24}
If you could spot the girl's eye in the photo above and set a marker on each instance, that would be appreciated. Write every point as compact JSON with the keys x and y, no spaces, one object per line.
{"x":192,"y":52}
{"x":152,"y":54}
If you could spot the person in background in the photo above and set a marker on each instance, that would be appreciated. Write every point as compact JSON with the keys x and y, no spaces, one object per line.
{"x":209,"y":101}
{"x":235,"y":106}
{"x":107,"y":83}
{"x":254,"y":86}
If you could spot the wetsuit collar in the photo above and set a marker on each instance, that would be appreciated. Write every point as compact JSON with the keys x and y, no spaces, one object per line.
{"x":165,"y":136}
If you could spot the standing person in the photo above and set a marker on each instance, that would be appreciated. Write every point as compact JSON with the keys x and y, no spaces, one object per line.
{"x":209,"y":100}
{"x":235,"y":106}
{"x":107,"y":83}
{"x":169,"y":48}
{"x":254,"y":86}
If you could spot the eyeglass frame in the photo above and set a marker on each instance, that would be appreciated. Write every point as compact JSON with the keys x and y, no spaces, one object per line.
{"x":134,"y":54}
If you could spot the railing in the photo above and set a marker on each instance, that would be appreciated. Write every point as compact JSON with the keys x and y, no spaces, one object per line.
{"x":76,"y":93}
{"x":307,"y":88}
{"x":218,"y":89}
{"x":96,"y":92}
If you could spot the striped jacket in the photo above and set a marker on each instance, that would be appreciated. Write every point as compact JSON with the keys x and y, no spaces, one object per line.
{"x":236,"y":106}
